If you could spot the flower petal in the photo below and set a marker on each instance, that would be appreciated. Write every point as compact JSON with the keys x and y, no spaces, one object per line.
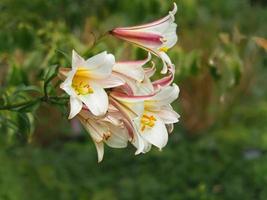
{"x":67,"y":84}
{"x":75,"y":107}
{"x":156,"y":135}
{"x":149,"y":39}
{"x":119,"y":137}
{"x":150,"y":71}
{"x":163,"y":82}
{"x":132,"y":69}
{"x":110,"y":82}
{"x":166,"y":62}
{"x":101,"y":65}
{"x":164,"y":97}
{"x":97,"y":102}
{"x":169,"y":128}
{"x":130,"y":98}
{"x":168,"y":115}
{"x":139,"y":143}
{"x":93,"y":130}
{"x":77,"y":60}
{"x":100,"y":150}
{"x":168,"y":18}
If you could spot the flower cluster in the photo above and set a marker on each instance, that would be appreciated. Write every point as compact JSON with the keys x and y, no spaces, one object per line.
{"x":117,"y":102}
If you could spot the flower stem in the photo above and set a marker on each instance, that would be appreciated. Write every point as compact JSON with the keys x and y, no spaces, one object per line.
{"x":46,"y":99}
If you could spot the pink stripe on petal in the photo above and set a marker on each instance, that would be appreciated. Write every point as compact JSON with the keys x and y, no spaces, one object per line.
{"x":142,"y":37}
{"x":150,"y":71}
{"x":127,"y":89}
{"x":165,"y":81}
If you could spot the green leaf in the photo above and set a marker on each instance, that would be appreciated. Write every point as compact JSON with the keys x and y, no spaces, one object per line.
{"x":49,"y":72}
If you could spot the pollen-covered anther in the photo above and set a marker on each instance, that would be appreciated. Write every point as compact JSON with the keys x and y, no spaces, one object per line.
{"x":147,"y":122}
{"x":164,"y":49}
{"x":106,"y":135}
{"x":82,"y":88}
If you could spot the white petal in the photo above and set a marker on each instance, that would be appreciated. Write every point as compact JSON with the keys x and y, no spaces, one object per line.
{"x":77,"y":61}
{"x":168,"y":115}
{"x":97,"y":102}
{"x":96,"y":134}
{"x":132,"y":69}
{"x":166,"y":96}
{"x":139,"y":143}
{"x":147,"y":147}
{"x":166,"y":62}
{"x":95,"y":60}
{"x":119,"y":137}
{"x":156,"y":135}
{"x":75,"y":107}
{"x":101,"y":65}
{"x":170,"y":35}
{"x":110,"y":82}
{"x":169,"y":128}
{"x":136,"y":107}
{"x":67,"y":84}
{"x":100,"y":150}
{"x":138,"y":88}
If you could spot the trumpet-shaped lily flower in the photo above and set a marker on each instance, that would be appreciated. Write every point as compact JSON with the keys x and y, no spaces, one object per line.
{"x":156,"y":37}
{"x":157,"y":113}
{"x":86,"y":81}
{"x":108,"y":130}
{"x":154,"y":117}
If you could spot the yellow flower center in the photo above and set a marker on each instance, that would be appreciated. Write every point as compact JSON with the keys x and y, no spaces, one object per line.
{"x":147,"y":122}
{"x":164,"y":49}
{"x":80,"y":82}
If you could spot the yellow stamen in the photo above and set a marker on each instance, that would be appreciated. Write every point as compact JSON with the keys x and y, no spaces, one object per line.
{"x":164,"y":49}
{"x":80,"y":82}
{"x":147,"y":122}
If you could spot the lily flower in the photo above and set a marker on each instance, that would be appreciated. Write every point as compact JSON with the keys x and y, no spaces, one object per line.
{"x":86,"y":81}
{"x":108,"y":130}
{"x":156,"y":37}
{"x":153,"y":117}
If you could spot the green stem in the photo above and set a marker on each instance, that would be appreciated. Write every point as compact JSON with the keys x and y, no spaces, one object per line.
{"x":17,"y":105}
{"x":30,"y":102}
{"x":46,"y":85}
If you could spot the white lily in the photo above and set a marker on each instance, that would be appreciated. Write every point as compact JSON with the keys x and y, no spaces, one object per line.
{"x":157,"y":113}
{"x":108,"y":130}
{"x":156,"y":37}
{"x":149,"y":115}
{"x":86,"y":81}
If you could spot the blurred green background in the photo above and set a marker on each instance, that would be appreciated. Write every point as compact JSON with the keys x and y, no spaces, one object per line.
{"x":217,"y":150}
